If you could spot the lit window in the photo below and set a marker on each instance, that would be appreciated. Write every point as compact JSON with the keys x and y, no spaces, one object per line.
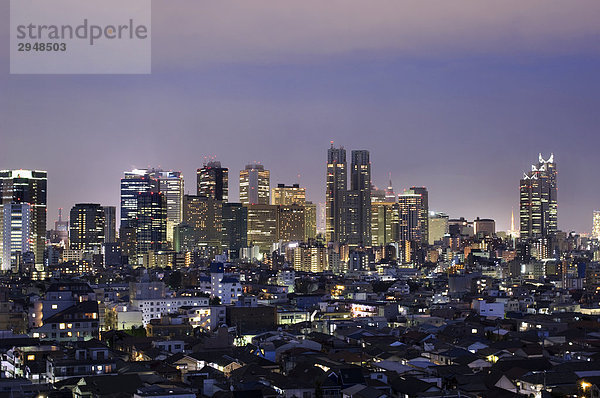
{"x":61,"y":326}
{"x":54,"y":306}
{"x":31,"y":357}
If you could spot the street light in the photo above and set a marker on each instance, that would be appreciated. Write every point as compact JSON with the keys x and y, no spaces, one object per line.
{"x":584,"y":386}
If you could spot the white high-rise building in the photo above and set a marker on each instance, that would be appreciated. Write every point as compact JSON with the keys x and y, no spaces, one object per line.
{"x":255,"y":185}
{"x":596,"y":225}
{"x":17,"y":234}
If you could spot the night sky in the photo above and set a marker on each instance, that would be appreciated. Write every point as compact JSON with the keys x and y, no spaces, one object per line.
{"x":458,"y":96}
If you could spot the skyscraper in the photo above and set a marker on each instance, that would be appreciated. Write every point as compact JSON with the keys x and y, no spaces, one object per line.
{"x":170,"y":184}
{"x":358,"y":201}
{"x":335,"y":194}
{"x":410,"y":213}
{"x":255,"y":185}
{"x":132,"y":184}
{"x":310,"y":221}
{"x":262,"y":226}
{"x":110,"y":224}
{"x":27,"y":186}
{"x":235,"y":228}
{"x":151,"y":223}
{"x":287,"y":195}
{"x":596,"y":225}
{"x":424,"y":217}
{"x":438,"y":226}
{"x":384,"y":222}
{"x":16,"y":234}
{"x":87,"y":227}
{"x":538,"y":200}
{"x":291,"y":221}
{"x":213,"y":181}
{"x":204,"y":216}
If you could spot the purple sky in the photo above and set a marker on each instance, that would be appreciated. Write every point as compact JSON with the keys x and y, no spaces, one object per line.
{"x":458,"y":96}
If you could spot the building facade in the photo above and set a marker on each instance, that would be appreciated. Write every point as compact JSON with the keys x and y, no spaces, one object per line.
{"x":30,"y":187}
{"x":255,"y":185}
{"x":213,"y":181}
{"x":538,"y":200}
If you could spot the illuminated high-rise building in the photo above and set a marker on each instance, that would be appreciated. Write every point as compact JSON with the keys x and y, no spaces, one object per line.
{"x":335,"y":195}
{"x":132,"y":184}
{"x":204,"y":216}
{"x":310,"y":221}
{"x":438,"y":226}
{"x":291,"y":223}
{"x":424,"y":217}
{"x":596,"y":225}
{"x":151,"y":223}
{"x":16,"y":234}
{"x":288,"y":195}
{"x":384,"y":223}
{"x":170,"y":184}
{"x":262,"y":226}
{"x":235,"y":228}
{"x":213,"y":181}
{"x":27,"y":186}
{"x":255,"y":185}
{"x":358,"y":200}
{"x":410,"y":216}
{"x":87,"y":227}
{"x":538,"y":200}
{"x":310,"y":258}
{"x":110,"y":225}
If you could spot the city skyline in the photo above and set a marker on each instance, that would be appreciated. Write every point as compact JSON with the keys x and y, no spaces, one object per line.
{"x":191,"y":186}
{"x":477,"y":103}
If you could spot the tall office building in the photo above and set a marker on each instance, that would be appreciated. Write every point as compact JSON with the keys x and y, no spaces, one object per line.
{"x":87,"y":227}
{"x":358,"y":201}
{"x":596,"y":225}
{"x":255,"y":185}
{"x":235,"y":228}
{"x":291,"y":221}
{"x":151,"y":223}
{"x":132,"y":184}
{"x":262,"y":226}
{"x":204,"y":216}
{"x":110,"y":224}
{"x":335,"y":195}
{"x":16,"y":234}
{"x":213,"y":181}
{"x":438,"y":226}
{"x":424,"y":217}
{"x":410,"y":217}
{"x":27,"y":186}
{"x":384,"y":223}
{"x":170,"y":184}
{"x":288,"y":195}
{"x":538,"y":200}
{"x":310,"y":221}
